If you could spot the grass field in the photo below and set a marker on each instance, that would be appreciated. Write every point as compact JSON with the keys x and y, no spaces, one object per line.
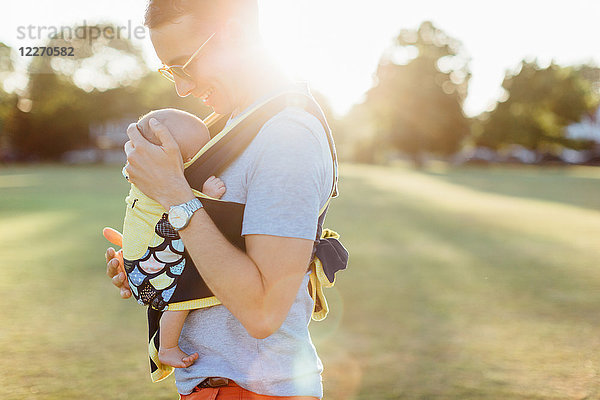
{"x":463,"y":284}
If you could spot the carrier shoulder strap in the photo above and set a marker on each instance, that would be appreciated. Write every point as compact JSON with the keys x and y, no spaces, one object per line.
{"x":233,"y":139}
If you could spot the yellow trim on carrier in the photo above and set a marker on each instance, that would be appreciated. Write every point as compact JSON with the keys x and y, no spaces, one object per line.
{"x":193,"y":304}
{"x":163,"y":371}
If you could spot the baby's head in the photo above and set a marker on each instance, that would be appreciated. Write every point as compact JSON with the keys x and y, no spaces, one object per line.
{"x":190,"y":133}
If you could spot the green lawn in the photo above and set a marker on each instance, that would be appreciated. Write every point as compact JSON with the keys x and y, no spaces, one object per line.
{"x":463,"y":284}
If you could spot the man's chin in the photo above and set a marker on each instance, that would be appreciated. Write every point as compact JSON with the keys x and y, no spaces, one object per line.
{"x":221,"y":109}
{"x":219,"y":104}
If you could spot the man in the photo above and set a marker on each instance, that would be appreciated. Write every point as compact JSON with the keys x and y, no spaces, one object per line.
{"x":258,"y":338}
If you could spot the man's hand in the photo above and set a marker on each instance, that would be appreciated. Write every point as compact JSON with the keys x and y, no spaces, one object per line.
{"x":114,"y":262}
{"x":157,"y":170}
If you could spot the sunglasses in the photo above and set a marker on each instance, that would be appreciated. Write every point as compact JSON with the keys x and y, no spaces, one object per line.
{"x":171,"y":71}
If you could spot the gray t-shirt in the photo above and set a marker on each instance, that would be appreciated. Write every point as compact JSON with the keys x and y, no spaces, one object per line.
{"x":284,"y":177}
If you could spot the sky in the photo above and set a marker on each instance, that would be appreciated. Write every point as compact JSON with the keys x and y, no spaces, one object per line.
{"x":336,"y":44}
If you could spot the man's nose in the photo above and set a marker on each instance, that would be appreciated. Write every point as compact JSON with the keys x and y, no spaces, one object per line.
{"x":183,"y":87}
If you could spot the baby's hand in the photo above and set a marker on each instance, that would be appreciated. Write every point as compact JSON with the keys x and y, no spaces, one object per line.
{"x":214,"y":187}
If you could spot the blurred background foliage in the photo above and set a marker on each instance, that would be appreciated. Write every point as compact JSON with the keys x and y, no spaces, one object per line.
{"x":464,"y":283}
{"x":107,"y":81}
{"x":413,"y":111}
{"x":541,"y":104}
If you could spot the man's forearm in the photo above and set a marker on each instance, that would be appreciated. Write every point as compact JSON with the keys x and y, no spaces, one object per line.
{"x":257,"y":286}
{"x":231,"y":274}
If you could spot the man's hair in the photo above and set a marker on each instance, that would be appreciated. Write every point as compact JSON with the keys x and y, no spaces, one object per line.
{"x":159,"y":12}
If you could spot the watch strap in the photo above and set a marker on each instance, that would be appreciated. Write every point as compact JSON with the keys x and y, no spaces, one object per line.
{"x":192,"y":206}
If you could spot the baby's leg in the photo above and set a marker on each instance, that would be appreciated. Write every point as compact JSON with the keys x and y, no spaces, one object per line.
{"x":214,"y":187}
{"x":169,"y":353}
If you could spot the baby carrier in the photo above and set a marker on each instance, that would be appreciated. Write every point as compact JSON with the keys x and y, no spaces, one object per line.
{"x":178,"y":285}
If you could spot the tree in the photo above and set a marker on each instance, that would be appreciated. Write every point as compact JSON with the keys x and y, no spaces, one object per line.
{"x":8,"y":101}
{"x":66,"y":94}
{"x":59,"y":104}
{"x":539,"y":104}
{"x":6,"y":65}
{"x":417,"y":104}
{"x":6,"y":68}
{"x":591,"y":74}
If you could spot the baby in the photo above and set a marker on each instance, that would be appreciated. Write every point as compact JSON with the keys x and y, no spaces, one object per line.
{"x":144,"y":251}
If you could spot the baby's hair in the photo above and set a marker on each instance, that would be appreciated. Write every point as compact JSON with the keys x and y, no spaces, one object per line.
{"x":156,"y":113}
{"x":188,"y":140}
{"x":142,"y":123}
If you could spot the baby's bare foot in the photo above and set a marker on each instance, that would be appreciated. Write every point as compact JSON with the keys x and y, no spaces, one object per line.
{"x":175,"y":357}
{"x":214,"y":187}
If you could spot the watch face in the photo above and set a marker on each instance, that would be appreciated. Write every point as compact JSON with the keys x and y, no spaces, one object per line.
{"x":178,"y":217}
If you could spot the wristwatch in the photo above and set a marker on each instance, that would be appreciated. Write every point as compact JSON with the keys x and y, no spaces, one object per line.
{"x":180,"y":215}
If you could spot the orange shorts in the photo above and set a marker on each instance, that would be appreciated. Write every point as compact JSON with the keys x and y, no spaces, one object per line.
{"x":234,"y":392}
